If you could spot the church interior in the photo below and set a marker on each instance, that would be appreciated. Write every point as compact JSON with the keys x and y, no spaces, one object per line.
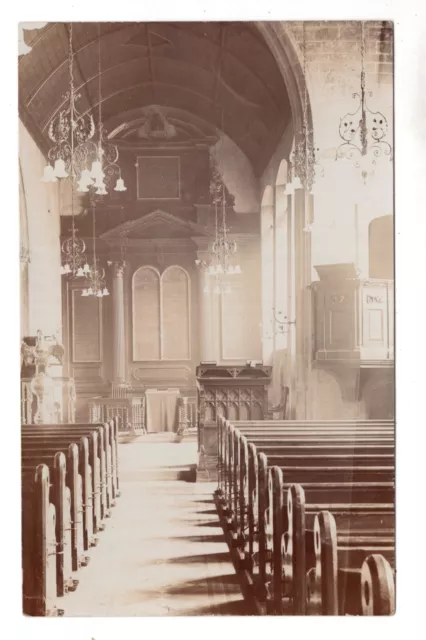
{"x":207,"y":318}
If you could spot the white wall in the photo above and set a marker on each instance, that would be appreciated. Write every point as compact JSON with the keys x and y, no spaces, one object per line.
{"x":237,"y":174}
{"x":42,"y":204}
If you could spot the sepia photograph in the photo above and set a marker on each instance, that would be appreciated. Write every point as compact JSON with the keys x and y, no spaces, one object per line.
{"x":207,"y":307}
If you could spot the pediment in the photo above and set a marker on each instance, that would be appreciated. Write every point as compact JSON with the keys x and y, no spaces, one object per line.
{"x":156,"y":225}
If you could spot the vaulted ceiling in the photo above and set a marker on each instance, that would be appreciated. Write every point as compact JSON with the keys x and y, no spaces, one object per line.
{"x":203,"y":76}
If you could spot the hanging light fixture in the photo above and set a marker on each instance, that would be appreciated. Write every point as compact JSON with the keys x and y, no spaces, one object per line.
{"x":74,"y":262}
{"x":105,"y":166}
{"x":70,"y":132}
{"x":95,"y":274}
{"x":220,"y":264}
{"x":75,"y":154}
{"x":363,"y":131}
{"x":303,"y":162}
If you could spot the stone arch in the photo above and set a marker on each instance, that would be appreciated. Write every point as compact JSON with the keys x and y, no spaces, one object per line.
{"x":287,"y":54}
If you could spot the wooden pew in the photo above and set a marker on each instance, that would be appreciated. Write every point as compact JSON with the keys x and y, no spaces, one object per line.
{"x":74,"y":489}
{"x":236,"y":455}
{"x":30,"y":460}
{"x":95,"y":470}
{"x":233,"y":448}
{"x":336,"y":585}
{"x":38,"y":544}
{"x":107,"y":453}
{"x":362,"y":527}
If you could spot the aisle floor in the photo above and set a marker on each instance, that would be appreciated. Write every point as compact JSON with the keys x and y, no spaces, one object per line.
{"x":163,"y":552}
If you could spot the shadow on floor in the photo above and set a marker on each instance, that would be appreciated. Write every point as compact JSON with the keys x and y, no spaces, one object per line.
{"x":206,"y":586}
{"x":235,"y":608}
{"x":199,"y":559}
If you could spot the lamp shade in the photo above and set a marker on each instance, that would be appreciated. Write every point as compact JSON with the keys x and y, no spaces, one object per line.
{"x":237,"y":269}
{"x":297,"y":184}
{"x":48,"y":174}
{"x":120,"y":185}
{"x":105,"y":292}
{"x":82,"y":187}
{"x":80,"y":272}
{"x":84,"y":293}
{"x":59,"y":170}
{"x":101,"y":190}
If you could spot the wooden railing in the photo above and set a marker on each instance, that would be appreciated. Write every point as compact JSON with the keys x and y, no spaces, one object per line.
{"x":129,"y":411}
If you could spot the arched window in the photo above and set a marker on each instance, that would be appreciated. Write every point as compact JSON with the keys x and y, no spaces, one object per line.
{"x":161,"y":312}
{"x":381,"y":248}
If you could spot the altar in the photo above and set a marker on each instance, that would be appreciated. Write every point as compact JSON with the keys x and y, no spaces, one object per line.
{"x":161,"y":410}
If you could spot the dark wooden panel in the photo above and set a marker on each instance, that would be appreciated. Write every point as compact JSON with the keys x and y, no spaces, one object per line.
{"x":86,"y":328}
{"x":158,"y":177}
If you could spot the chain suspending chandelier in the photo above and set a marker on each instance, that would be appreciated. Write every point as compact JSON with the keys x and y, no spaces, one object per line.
{"x":363,"y":131}
{"x":96,"y":274}
{"x":221,"y":263}
{"x":74,"y":153}
{"x":304,"y":167}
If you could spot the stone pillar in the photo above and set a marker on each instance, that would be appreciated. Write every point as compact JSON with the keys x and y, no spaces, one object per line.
{"x":119,"y":338}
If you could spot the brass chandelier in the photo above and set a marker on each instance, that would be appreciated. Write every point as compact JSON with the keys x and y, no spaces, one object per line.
{"x":363,"y":131}
{"x":74,"y":153}
{"x":220,"y":263}
{"x":96,"y":274}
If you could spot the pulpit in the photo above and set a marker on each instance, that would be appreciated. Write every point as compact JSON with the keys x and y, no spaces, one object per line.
{"x":235,"y":392}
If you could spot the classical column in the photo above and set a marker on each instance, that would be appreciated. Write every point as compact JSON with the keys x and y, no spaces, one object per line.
{"x":119,"y":340}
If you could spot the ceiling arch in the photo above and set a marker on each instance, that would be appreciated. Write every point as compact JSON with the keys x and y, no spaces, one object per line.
{"x":200,"y":69}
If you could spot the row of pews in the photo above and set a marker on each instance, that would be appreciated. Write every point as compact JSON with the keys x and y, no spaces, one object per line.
{"x":70,"y":482}
{"x":308,"y":512}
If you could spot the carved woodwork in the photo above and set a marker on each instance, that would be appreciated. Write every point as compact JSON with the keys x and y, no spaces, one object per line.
{"x":237,"y":393}
{"x":353,"y":317}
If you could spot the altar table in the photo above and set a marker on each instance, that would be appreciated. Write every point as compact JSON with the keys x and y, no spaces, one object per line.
{"x":161,"y":410}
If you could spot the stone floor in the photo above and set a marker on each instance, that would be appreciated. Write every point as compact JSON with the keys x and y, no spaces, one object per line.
{"x":162,"y":552}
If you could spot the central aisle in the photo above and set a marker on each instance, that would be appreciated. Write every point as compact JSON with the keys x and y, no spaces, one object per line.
{"x":163,"y":552}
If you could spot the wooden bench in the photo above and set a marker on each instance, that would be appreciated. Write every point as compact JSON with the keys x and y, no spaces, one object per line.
{"x":344,"y":465}
{"x":38,"y":544}
{"x":81,"y":460}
